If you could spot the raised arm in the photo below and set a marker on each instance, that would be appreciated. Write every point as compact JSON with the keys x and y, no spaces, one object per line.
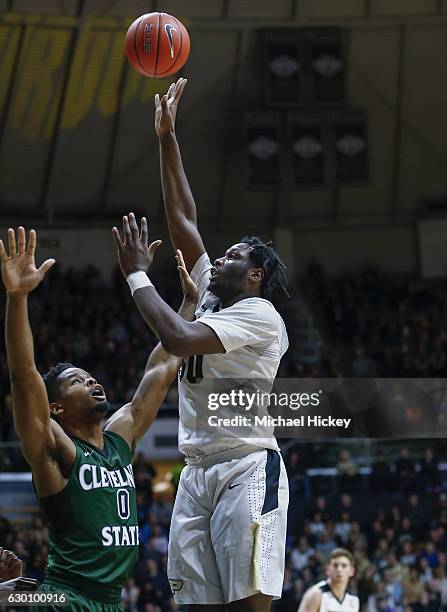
{"x":178,"y":337}
{"x":135,"y":418}
{"x":180,"y":207}
{"x":30,"y":402}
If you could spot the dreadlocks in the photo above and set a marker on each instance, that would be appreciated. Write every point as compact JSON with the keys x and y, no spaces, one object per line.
{"x":263,"y":255}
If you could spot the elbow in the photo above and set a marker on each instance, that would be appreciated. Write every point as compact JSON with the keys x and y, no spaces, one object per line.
{"x":175,"y":347}
{"x":176,"y":341}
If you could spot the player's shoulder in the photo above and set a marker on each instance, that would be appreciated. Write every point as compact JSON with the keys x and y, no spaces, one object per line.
{"x":257,"y":305}
{"x":313,"y":595}
{"x":322,"y":587}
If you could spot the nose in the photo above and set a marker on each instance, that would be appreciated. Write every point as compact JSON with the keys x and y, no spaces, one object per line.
{"x":91,"y":382}
{"x":218,"y":262}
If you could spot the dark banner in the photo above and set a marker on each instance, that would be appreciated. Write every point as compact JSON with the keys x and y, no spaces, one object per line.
{"x":325,"y":408}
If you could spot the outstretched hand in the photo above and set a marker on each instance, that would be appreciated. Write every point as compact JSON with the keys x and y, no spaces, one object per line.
{"x":189,"y":288}
{"x":166,"y":108}
{"x":134,"y":253}
{"x":19,"y":272}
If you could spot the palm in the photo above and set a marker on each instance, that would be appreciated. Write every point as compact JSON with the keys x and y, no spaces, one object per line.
{"x":165,"y":121}
{"x":189,"y":288}
{"x":166,"y":109}
{"x":19,"y":272}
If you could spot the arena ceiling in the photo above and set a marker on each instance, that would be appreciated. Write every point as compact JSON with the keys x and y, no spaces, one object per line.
{"x":76,"y":122}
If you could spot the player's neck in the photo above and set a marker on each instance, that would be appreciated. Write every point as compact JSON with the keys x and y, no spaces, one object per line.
{"x":230,"y":301}
{"x":88,"y":432}
{"x":338,"y":589}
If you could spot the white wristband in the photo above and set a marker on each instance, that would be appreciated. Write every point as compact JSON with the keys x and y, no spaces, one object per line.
{"x":139,"y":279}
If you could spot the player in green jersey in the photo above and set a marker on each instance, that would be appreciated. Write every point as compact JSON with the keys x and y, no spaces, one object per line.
{"x":82,"y":472}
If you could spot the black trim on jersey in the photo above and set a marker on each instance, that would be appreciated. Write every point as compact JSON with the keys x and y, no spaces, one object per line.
{"x":326,"y":588}
{"x":272,"y":472}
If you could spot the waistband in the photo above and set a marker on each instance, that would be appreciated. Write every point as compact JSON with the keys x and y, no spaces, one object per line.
{"x":226,"y":455}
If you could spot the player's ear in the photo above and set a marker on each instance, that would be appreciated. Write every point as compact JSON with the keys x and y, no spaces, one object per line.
{"x":56,"y":409}
{"x":256,"y":274}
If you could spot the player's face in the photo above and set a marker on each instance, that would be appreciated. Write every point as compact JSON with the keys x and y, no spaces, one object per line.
{"x":230,"y":273}
{"x":340,"y":570}
{"x":81,"y":395}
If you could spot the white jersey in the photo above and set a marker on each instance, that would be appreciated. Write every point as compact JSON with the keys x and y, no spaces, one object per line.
{"x":254,"y":337}
{"x":330,"y":603}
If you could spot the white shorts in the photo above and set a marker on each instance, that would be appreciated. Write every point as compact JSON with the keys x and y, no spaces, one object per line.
{"x":228,"y":530}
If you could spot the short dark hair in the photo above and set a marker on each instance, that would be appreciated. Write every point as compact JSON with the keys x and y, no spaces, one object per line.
{"x":52,"y":381}
{"x":263,"y":255}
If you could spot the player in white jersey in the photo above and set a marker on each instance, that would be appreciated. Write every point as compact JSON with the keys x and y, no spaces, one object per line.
{"x":228,"y":529}
{"x":332,"y":595}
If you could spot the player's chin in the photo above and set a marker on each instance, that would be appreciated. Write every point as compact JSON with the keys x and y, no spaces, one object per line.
{"x":102,"y":406}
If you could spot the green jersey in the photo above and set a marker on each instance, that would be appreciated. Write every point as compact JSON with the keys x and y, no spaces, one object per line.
{"x":93,"y":526}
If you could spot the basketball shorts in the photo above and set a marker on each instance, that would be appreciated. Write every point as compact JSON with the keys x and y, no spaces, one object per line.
{"x":228,"y":530}
{"x":78,"y":602}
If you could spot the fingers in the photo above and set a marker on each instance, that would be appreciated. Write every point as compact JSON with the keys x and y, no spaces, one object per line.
{"x":3,"y":253}
{"x":144,"y":237}
{"x":181,"y":84}
{"x":126,"y":230}
{"x":153,"y":247}
{"x":32,"y":243}
{"x":180,"y":260}
{"x":157,"y":101}
{"x":21,"y":240}
{"x":117,"y":239}
{"x":49,"y":263}
{"x":12,"y":242}
{"x":171,"y":91}
{"x":164,"y":104}
{"x":134,"y":227}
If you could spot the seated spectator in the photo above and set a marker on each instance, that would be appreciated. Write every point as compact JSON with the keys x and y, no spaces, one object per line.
{"x":380,"y":480}
{"x":429,"y":473}
{"x":347,"y":476}
{"x":300,"y":556}
{"x":413,"y":587}
{"x":405,"y":473}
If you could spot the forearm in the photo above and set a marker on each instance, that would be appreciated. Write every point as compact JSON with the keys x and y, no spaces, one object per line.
{"x":165,"y":323}
{"x":18,"y":336}
{"x":178,"y":198}
{"x":159,"y":354}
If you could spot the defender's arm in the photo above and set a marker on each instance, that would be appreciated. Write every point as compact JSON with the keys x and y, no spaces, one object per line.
{"x":31,"y":411}
{"x":135,"y":418}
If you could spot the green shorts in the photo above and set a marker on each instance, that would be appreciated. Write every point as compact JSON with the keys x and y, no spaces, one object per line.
{"x":77,"y":601}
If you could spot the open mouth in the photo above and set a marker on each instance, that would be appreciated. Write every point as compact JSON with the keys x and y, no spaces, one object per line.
{"x":98,"y":393}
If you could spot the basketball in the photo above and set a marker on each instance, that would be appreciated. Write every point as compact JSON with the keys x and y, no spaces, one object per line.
{"x":157,"y":45}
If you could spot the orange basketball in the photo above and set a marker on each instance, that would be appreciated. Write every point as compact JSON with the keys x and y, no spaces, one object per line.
{"x":157,"y":45}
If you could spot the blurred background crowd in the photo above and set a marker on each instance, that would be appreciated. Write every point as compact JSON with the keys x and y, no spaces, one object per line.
{"x":362,"y":325}
{"x":394,"y":520}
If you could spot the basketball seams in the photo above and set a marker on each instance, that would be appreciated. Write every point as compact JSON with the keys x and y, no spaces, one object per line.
{"x":159,"y":66}
{"x":181,"y":26}
{"x":136,"y":47}
{"x":158,"y":42}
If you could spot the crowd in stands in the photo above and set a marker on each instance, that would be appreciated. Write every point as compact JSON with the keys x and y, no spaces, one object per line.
{"x":398,"y":537}
{"x":375,"y":324}
{"x":371,"y":325}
